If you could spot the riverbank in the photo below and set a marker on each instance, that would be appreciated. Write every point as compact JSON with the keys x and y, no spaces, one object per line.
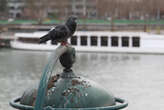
{"x":5,"y":38}
{"x":7,"y":32}
{"x":84,"y":27}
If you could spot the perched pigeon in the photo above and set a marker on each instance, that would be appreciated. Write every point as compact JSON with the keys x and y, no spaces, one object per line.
{"x":61,"y":33}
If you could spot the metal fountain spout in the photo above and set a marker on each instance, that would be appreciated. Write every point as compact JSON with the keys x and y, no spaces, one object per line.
{"x":66,"y":91}
{"x":67,"y":60}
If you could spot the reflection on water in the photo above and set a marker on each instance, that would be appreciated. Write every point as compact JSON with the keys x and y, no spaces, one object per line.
{"x":137,"y":78}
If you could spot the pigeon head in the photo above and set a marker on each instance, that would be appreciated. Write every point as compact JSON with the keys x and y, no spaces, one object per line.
{"x":72,"y":19}
{"x":72,"y":23}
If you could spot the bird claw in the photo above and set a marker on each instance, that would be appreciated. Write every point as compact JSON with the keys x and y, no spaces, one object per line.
{"x":65,"y":44}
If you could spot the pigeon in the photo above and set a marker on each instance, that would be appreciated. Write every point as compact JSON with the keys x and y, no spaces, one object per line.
{"x":61,"y":33}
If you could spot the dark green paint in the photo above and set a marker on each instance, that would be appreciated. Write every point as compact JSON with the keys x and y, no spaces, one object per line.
{"x":69,"y":91}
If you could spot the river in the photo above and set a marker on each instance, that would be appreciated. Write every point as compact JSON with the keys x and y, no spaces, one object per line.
{"x":138,"y":78}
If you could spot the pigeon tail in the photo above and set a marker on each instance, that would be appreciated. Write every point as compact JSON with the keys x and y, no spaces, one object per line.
{"x":44,"y":38}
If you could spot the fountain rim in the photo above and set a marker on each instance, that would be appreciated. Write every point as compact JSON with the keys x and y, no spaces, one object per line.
{"x":14,"y":103}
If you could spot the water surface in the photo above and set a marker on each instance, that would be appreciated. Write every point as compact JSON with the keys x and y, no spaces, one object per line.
{"x":137,"y":78}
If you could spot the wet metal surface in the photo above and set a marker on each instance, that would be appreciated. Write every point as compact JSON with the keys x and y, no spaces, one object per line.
{"x":134,"y":77}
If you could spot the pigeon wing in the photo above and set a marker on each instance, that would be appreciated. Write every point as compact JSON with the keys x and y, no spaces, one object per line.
{"x":60,"y":33}
{"x":44,"y":38}
{"x":47,"y":36}
{"x":57,"y":34}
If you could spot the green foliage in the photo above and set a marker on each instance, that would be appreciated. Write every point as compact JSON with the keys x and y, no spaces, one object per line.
{"x":82,"y":21}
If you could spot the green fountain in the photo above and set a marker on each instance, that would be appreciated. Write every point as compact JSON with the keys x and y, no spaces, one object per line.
{"x":66,"y":91}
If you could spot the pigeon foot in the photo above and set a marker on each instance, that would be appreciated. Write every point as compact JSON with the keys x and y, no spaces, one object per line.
{"x":64,"y":43}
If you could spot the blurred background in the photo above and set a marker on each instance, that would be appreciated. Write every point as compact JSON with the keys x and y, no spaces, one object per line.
{"x":138,"y":78}
{"x":108,"y":14}
{"x":90,"y":9}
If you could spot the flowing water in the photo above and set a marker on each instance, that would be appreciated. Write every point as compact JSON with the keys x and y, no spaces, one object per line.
{"x":138,"y":78}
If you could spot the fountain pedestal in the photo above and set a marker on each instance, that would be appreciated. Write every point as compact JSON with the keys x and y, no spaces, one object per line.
{"x":67,"y":91}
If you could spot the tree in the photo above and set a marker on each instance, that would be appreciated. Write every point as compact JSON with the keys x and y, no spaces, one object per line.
{"x":3,"y":7}
{"x":40,"y":9}
{"x":36,"y":9}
